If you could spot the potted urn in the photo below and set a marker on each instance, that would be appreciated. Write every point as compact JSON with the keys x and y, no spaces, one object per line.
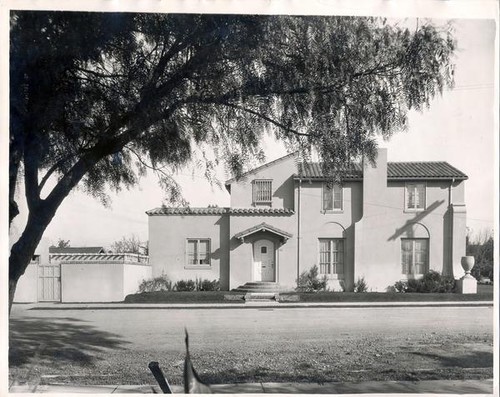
{"x":467,"y":264}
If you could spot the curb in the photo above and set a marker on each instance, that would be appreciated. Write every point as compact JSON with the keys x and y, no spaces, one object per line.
{"x":483,"y":386}
{"x":252,"y":305}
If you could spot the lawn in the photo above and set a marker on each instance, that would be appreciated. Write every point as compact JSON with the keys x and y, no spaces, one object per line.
{"x":485,"y":293}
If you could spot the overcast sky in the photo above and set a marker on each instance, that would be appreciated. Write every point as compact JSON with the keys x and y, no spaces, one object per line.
{"x":458,"y":128}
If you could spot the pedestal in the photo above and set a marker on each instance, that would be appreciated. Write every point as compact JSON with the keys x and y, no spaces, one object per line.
{"x":467,"y":285}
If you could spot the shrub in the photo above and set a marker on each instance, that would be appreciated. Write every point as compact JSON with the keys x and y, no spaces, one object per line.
{"x":185,"y":285}
{"x":360,"y":285}
{"x":207,"y":285}
{"x":431,"y":282}
{"x":160,"y":283}
{"x":310,"y":282}
{"x":400,"y":286}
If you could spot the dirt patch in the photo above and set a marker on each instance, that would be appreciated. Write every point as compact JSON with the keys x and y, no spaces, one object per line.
{"x":346,"y":360}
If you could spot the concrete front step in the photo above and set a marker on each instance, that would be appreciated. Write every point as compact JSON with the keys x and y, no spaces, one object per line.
{"x":261,"y":297}
{"x":259,"y":286}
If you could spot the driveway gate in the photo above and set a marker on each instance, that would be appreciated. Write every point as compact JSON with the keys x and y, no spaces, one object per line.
{"x":49,"y":283}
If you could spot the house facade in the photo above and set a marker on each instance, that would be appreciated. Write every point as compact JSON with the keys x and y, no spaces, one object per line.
{"x":385,"y":222}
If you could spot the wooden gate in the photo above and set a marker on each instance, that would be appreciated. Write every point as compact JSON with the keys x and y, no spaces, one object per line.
{"x":49,"y":283}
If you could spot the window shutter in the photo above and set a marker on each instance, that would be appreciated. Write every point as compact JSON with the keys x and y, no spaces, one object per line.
{"x":337,"y":197}
{"x":327,"y":198}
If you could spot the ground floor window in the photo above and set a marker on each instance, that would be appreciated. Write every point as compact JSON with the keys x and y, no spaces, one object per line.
{"x":331,"y":256}
{"x":198,"y":252}
{"x":414,"y":256}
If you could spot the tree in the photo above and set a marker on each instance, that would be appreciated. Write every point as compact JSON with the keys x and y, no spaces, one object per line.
{"x":97,"y":99}
{"x":130,"y":244}
{"x":63,"y":243}
{"x":481,"y":248}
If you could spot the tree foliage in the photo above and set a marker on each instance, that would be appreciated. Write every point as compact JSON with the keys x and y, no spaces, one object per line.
{"x":481,"y":248}
{"x":63,"y":243}
{"x":130,"y":244}
{"x":97,"y":99}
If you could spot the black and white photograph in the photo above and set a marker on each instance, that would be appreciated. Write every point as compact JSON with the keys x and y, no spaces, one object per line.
{"x":249,"y":197}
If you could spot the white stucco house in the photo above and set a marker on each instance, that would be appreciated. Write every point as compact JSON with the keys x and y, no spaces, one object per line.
{"x":386,"y":222}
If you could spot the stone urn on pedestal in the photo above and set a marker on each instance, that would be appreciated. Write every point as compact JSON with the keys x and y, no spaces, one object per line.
{"x":468,"y":284}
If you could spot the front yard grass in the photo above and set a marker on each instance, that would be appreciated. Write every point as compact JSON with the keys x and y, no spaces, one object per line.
{"x":183,"y":297}
{"x":485,"y":293}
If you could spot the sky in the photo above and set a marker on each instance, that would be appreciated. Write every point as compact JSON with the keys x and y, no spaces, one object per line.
{"x":458,"y":128}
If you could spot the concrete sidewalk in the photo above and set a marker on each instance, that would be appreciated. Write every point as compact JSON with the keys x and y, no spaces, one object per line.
{"x":248,"y":305}
{"x":401,"y":387}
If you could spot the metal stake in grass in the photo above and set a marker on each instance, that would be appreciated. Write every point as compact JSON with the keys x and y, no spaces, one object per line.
{"x":160,"y":378}
{"x":192,"y":382}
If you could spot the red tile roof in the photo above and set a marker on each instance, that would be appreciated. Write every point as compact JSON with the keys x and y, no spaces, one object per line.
{"x":423,"y":170}
{"x":313,"y":170}
{"x":395,"y":171}
{"x":76,"y":250}
{"x":219,"y":211}
{"x":263,"y":227}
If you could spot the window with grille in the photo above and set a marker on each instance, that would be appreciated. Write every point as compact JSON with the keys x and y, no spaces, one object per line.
{"x":262,"y":191}
{"x":332,"y":198}
{"x":198,"y":252}
{"x":414,"y":256}
{"x":415,"y":196}
{"x":331,"y":256}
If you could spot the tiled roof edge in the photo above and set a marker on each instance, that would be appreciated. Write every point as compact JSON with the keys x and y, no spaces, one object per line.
{"x":218,"y":211}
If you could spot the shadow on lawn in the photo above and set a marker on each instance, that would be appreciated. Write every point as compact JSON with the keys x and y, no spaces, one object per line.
{"x":470,"y":360}
{"x":57,"y":342}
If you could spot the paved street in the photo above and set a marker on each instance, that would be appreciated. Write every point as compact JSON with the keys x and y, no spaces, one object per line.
{"x":320,"y":344}
{"x":141,"y":328}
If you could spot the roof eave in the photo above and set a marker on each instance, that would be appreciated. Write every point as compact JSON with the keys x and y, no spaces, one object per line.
{"x":323,"y":178}
{"x":427,"y":178}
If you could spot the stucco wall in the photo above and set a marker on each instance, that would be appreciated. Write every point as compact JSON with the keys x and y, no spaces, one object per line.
{"x":27,"y":286}
{"x":316,"y":224}
{"x":133,"y":275}
{"x":91,"y":282}
{"x":280,"y":172}
{"x":167,"y":246}
{"x":384,"y":222}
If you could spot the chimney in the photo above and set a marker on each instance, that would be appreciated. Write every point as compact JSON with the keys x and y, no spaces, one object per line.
{"x":375,"y":183}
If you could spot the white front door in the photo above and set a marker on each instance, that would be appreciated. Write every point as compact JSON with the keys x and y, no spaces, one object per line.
{"x":263,"y":259}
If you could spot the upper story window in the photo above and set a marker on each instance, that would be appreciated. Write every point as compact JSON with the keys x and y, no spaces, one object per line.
{"x":198,"y":252}
{"x":262,"y":191}
{"x":415,"y":196}
{"x":332,"y":198}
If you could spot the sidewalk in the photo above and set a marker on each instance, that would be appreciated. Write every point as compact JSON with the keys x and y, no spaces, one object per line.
{"x":248,"y":305}
{"x":402,"y":387}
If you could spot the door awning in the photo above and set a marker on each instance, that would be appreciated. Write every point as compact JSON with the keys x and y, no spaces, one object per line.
{"x":263,"y":227}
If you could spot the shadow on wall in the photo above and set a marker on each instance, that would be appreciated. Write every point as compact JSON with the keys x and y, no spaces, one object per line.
{"x":286,"y":193}
{"x":58,"y":342}
{"x":418,"y":217}
{"x":447,"y":269}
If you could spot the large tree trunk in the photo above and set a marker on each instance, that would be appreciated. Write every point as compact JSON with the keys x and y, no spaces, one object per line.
{"x":23,"y":250}
{"x":12,"y":292}
{"x":40,"y":215}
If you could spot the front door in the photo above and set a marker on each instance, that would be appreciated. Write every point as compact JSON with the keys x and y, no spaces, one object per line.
{"x":263,"y":258}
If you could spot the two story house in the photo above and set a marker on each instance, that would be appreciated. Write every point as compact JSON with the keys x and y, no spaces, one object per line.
{"x":385,"y":222}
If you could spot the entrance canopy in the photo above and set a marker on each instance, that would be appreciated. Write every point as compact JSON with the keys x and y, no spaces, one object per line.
{"x":263,"y":227}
